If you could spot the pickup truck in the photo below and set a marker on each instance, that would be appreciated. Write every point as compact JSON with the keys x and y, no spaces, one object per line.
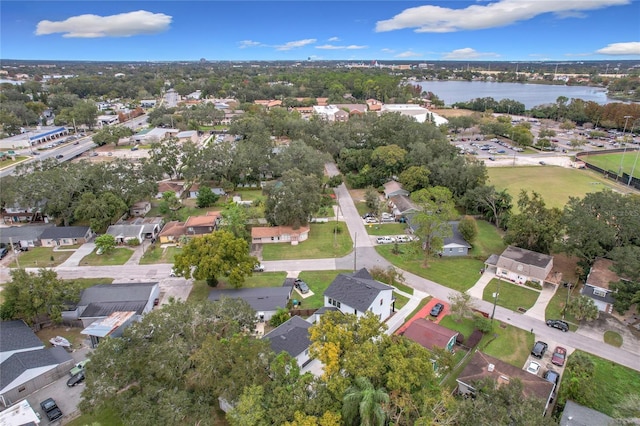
{"x":51,"y":409}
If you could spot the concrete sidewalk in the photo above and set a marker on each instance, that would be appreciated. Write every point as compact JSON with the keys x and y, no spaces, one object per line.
{"x":478,"y":288}
{"x":537,"y":311}
{"x":399,"y":318}
{"x":78,"y":255}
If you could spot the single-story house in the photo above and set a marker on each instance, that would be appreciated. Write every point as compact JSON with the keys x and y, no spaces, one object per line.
{"x":521,"y":265}
{"x":264,"y":300}
{"x":25,"y":364}
{"x":483,"y":366}
{"x":575,"y":414}
{"x":171,"y":232}
{"x":392,"y":188}
{"x":111,"y":326}
{"x":194,"y":189}
{"x":141,"y":228}
{"x":17,"y":214}
{"x":100,"y":301}
{"x":166,"y":186}
{"x":596,"y":286}
{"x":188,"y":136}
{"x":141,"y":208}
{"x":202,"y":225}
{"x":153,"y":135}
{"x":148,"y":103}
{"x":23,"y":236}
{"x":402,"y":206}
{"x":455,"y":245}
{"x":292,"y":337}
{"x":430,"y":335}
{"x":279,"y":234}
{"x":65,"y":236}
{"x":374,"y":105}
{"x":358,"y":292}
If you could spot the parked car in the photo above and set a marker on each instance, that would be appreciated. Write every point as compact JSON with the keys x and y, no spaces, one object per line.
{"x":559,"y":355}
{"x":402,"y":239}
{"x":59,"y":156}
{"x":533,"y":367}
{"x":552,"y":376}
{"x":302,"y":286}
{"x":385,"y":240}
{"x":371,"y":220}
{"x":78,"y":367}
{"x":173,"y":273}
{"x":366,"y":215}
{"x":436,"y":310}
{"x":51,"y":409}
{"x":3,"y":252}
{"x":76,"y":379}
{"x":539,"y":349}
{"x":258,"y":268}
{"x":560,"y":325}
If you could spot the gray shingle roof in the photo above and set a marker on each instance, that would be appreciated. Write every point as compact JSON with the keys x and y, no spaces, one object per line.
{"x":357,"y":290}
{"x":126,"y":231}
{"x":56,"y":232}
{"x":291,"y":337}
{"x":260,"y":299}
{"x":26,"y":232}
{"x":20,"y":362}
{"x":125,"y":292}
{"x":527,"y":257}
{"x":578,"y":415}
{"x":104,"y":309}
{"x":456,"y":237}
{"x":16,"y":335}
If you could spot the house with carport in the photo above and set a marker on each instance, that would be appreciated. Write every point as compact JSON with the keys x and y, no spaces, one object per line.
{"x":56,"y":236}
{"x":356,"y":293}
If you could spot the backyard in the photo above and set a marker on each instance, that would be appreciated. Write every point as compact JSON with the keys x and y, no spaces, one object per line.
{"x":323,"y":243}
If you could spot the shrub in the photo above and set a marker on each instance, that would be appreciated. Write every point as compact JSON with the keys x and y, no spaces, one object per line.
{"x":533,"y":284}
{"x":483,"y":324}
{"x":133,"y":242}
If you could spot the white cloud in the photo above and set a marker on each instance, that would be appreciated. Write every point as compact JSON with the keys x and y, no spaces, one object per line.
{"x":408,"y":54}
{"x":436,"y":19}
{"x":249,"y":43}
{"x":121,"y":25}
{"x":334,"y":47}
{"x":468,"y":53}
{"x":630,"y":48}
{"x":387,"y":50}
{"x":334,"y":39}
{"x":295,"y":44}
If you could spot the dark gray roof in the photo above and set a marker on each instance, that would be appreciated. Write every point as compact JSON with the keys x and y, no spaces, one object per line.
{"x":261,"y":299}
{"x":456,"y":237}
{"x":291,"y":337}
{"x":20,"y":362}
{"x":578,"y":415}
{"x":527,"y":257}
{"x":403,"y":203}
{"x":26,"y":232}
{"x":125,"y":292}
{"x":325,"y":309}
{"x":587,"y":290}
{"x":492,"y":260}
{"x":16,"y":335}
{"x":357,"y":290}
{"x":104,"y":309}
{"x":56,"y":232}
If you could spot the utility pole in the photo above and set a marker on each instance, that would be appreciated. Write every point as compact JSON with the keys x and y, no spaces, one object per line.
{"x":14,"y":251}
{"x":355,"y":250}
{"x":495,"y":300}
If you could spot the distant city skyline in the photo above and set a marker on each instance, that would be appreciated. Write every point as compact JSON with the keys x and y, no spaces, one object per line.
{"x":502,"y":30}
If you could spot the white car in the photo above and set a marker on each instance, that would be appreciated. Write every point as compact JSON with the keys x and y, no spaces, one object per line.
{"x":533,"y":368}
{"x":385,"y":240}
{"x":402,"y":239}
{"x":371,"y":220}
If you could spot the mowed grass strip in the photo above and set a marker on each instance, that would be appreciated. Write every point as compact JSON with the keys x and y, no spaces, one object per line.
{"x":117,"y":256}
{"x":612,"y":162}
{"x":554,"y":184}
{"x":510,"y":296}
{"x":322,"y":243}
{"x":40,"y":257}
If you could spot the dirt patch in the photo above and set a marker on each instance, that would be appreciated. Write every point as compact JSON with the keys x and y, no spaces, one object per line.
{"x":450,"y":113}
{"x":72,"y":334}
{"x":567,"y":265}
{"x":357,"y":194}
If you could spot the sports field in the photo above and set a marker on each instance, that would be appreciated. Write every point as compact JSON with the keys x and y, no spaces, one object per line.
{"x":611,"y":162}
{"x":555,"y":184}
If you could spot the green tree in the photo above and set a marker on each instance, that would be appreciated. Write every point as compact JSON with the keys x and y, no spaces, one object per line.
{"x":535,"y":227}
{"x":234,"y":220}
{"x":583,"y":308}
{"x":414,"y":178}
{"x":206,"y":197}
{"x":220,"y":254}
{"x":292,"y":200}
{"x":111,"y":135}
{"x":627,"y":266}
{"x":578,"y":382}
{"x":36,"y":297}
{"x":250,"y":409}
{"x":468,"y":228}
{"x":461,"y":305}
{"x":99,"y":211}
{"x":389,"y":159}
{"x":105,"y":243}
{"x":493,"y":205}
{"x":170,"y":202}
{"x":432,"y":221}
{"x":280,"y":317}
{"x":363,"y":404}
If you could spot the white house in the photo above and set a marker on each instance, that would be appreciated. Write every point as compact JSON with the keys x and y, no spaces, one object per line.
{"x":520,"y":265}
{"x":420,"y":114}
{"x":292,"y":337}
{"x":358,"y":293}
{"x":596,"y":287}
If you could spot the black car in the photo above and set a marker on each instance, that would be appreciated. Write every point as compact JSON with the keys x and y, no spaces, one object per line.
{"x":3,"y":252}
{"x":301,"y":286}
{"x":76,"y":379}
{"x":560,"y":325}
{"x":539,"y":349}
{"x":436,"y":310}
{"x":51,"y":409}
{"x":59,"y":156}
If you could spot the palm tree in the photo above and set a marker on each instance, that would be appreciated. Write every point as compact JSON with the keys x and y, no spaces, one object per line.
{"x":363,"y":402}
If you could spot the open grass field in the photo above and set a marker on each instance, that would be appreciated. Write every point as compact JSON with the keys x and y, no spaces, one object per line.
{"x":612,"y":162}
{"x":322,"y":243}
{"x":40,"y":257}
{"x":510,"y":296}
{"x":555,"y":184}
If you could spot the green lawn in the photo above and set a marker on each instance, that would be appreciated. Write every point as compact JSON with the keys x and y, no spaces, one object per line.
{"x":318,"y":282}
{"x":265,"y":279}
{"x":464,"y":326}
{"x":556,"y":305}
{"x":489,"y":241}
{"x":157,"y":254}
{"x":386,"y":229}
{"x":510,"y":296}
{"x":40,"y":257}
{"x":400,"y":300}
{"x":100,"y":417}
{"x":511,"y":344}
{"x":322,"y":243}
{"x":610,"y":384}
{"x":611,"y":162}
{"x":555,"y":184}
{"x":457,"y":273}
{"x":117,"y":256}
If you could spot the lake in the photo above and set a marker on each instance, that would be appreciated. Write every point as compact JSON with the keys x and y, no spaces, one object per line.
{"x":530,"y":95}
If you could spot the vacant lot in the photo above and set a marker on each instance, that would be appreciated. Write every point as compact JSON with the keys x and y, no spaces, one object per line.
{"x":555,"y":184}
{"x":612,"y":162}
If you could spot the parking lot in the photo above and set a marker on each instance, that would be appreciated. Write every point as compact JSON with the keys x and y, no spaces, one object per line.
{"x":545,"y":362}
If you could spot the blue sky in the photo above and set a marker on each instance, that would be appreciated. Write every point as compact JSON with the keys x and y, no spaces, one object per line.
{"x":500,"y":30}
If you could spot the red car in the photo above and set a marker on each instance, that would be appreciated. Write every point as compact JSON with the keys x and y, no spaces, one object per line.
{"x":559,"y":356}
